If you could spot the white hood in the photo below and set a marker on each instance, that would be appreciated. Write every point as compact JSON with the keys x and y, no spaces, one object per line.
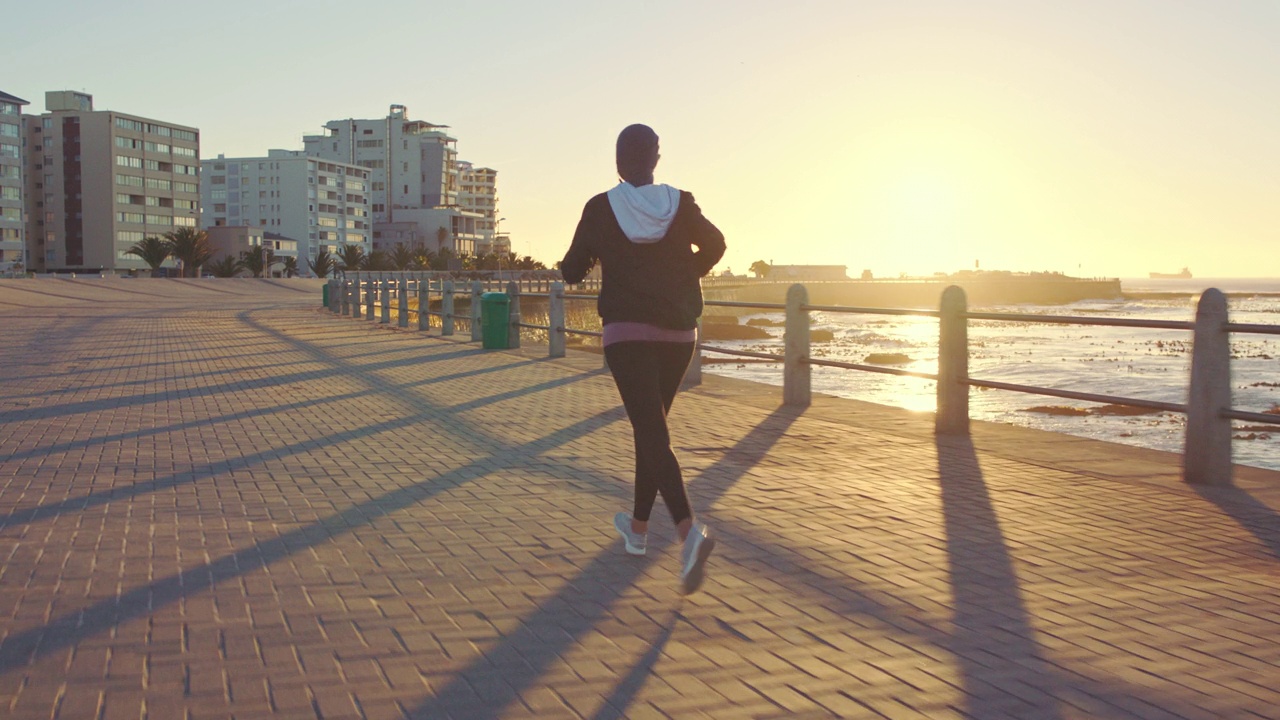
{"x":644,"y":213}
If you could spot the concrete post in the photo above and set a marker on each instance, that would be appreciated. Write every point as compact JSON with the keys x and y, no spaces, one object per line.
{"x":402,"y":307}
{"x":357,"y":296}
{"x":446,"y":309}
{"x":952,"y":417}
{"x":513,"y":315}
{"x":555,"y":315}
{"x":384,"y":286}
{"x":477,"y":289}
{"x":796,"y":373}
{"x":370,"y":297}
{"x":693,"y":376}
{"x":424,"y":305}
{"x":346,"y":297}
{"x":1207,"y":456}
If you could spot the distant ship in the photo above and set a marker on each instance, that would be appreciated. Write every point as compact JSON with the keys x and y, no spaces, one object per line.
{"x":1184,"y":275}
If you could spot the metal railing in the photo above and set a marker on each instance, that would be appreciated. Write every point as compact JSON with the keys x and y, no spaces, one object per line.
{"x":1207,"y":446}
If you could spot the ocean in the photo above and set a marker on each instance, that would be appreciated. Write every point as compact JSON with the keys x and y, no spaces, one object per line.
{"x":1130,"y":362}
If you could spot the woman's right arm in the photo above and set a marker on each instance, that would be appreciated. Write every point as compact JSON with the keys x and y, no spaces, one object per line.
{"x":581,"y":256}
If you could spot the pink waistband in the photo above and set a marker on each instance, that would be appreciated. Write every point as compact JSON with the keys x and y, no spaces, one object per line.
{"x":643,"y":332}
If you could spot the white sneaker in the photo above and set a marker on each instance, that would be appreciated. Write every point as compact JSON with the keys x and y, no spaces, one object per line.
{"x":697,"y":548}
{"x":635,"y":542}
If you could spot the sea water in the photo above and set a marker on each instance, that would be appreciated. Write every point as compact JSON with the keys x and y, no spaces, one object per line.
{"x":1127,"y":362}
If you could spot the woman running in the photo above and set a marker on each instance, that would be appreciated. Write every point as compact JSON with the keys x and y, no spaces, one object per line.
{"x":653,"y":245}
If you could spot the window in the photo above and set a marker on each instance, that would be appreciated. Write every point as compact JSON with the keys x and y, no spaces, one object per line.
{"x":219,"y":180}
{"x":7,"y":130}
{"x":184,"y":221}
{"x":128,"y":161}
{"x":186,"y":135}
{"x":160,"y":130}
{"x":131,"y":180}
{"x":8,"y":172}
{"x":129,"y":217}
{"x":220,"y":208}
{"x":158,"y":166}
{"x":8,"y":150}
{"x":368,"y":143}
{"x":373,"y":164}
{"x":159,"y":220}
{"x":129,"y":143}
{"x":155,"y":147}
{"x":187,"y":187}
{"x":124,"y":123}
{"x":185,"y":204}
{"x":11,"y":213}
{"x":128,"y":236}
{"x":217,"y":194}
{"x":184,"y":151}
{"x":8,"y":192}
{"x":154,"y":201}
{"x":127,"y":199}
{"x":327,"y":222}
{"x":159,"y":184}
{"x":8,"y":108}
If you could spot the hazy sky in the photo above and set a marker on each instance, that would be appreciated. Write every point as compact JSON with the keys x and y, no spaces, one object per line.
{"x":1095,"y":137}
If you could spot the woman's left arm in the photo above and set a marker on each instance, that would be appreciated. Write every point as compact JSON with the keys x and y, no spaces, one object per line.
{"x":708,"y":239}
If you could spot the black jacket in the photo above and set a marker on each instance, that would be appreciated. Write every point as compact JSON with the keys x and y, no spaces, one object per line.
{"x":655,"y":283}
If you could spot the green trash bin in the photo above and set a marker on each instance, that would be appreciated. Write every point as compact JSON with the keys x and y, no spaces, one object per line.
{"x":494,"y":313}
{"x":324,"y":295}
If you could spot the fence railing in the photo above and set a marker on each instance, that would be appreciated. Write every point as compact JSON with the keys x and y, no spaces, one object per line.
{"x":1207,"y":445}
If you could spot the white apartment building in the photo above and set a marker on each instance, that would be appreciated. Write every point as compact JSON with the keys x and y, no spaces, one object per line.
{"x":310,"y":200}
{"x":98,"y":181}
{"x":413,"y":175}
{"x":11,"y":190}
{"x":478,"y":193}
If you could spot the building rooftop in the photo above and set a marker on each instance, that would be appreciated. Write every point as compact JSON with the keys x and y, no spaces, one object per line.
{"x":6,"y":97}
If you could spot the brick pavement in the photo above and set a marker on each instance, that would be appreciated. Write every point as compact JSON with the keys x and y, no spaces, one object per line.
{"x":216,"y":500}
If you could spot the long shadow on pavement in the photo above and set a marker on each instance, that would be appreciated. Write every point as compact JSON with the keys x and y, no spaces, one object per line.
{"x":1250,"y":513}
{"x":993,"y":640}
{"x":520,"y":658}
{"x":69,"y":629}
{"x":84,"y":502}
{"x":47,"y":450}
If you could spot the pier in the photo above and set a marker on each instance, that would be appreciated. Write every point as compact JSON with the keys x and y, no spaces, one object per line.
{"x":221,"y":499}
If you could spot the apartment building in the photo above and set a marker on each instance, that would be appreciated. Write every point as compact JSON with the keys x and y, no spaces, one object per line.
{"x":310,"y":200}
{"x":11,"y":185}
{"x":98,"y":181}
{"x":413,"y":176}
{"x":235,"y":240}
{"x":478,"y":193}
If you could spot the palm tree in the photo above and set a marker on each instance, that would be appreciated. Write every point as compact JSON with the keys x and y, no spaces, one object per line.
{"x":225,"y":268}
{"x":351,"y":257}
{"x":256,"y":260}
{"x":153,"y":251}
{"x":401,"y":257}
{"x":323,"y":264}
{"x":442,"y":258}
{"x":291,"y":267}
{"x":190,"y":247}
{"x":424,"y":259}
{"x":378,"y":261}
{"x":442,"y":236}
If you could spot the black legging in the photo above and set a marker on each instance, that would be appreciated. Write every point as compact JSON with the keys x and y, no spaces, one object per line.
{"x":648,"y":374}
